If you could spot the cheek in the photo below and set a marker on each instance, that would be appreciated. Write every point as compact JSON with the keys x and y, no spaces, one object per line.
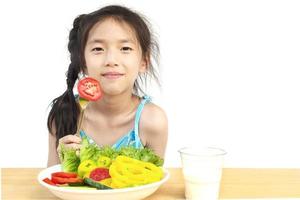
{"x":91,"y":61}
{"x":93,"y":65}
{"x":134,"y":63}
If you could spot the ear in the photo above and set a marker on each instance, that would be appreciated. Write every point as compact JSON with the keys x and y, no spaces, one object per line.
{"x":144,"y":65}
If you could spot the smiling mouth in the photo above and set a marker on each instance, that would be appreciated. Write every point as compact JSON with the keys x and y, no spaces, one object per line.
{"x":112,"y":75}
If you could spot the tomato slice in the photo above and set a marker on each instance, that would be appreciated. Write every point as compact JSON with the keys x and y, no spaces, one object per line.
{"x":64,"y":175}
{"x":89,"y":89}
{"x":99,"y":174}
{"x":47,"y":180}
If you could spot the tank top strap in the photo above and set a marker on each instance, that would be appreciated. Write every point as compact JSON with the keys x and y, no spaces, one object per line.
{"x":146,"y":99}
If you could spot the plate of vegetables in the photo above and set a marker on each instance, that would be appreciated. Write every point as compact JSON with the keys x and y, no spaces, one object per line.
{"x":104,"y":173}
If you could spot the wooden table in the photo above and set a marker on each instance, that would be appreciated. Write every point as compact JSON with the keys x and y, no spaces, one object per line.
{"x":21,"y":183}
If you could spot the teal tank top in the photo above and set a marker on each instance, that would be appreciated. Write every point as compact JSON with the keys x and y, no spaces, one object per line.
{"x":132,"y":137}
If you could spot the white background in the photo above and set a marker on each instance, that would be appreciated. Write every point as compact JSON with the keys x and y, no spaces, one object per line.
{"x":229,"y":69}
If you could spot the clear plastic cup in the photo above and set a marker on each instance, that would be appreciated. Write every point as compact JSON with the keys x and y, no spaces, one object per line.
{"x":202,"y":172}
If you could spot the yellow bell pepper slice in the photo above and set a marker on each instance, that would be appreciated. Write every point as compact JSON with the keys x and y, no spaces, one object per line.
{"x":104,"y":161}
{"x":85,"y":168}
{"x":128,"y":172}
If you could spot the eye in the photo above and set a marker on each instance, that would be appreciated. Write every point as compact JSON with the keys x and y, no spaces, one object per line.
{"x":126,"y":49}
{"x":97,"y":49}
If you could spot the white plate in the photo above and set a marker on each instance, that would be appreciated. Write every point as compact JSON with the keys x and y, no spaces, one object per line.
{"x":134,"y":193}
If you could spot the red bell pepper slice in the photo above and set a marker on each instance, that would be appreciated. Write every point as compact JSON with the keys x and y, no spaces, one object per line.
{"x":60,"y":180}
{"x":65,"y":177}
{"x":47,"y":180}
{"x":64,"y":174}
{"x":89,"y":89}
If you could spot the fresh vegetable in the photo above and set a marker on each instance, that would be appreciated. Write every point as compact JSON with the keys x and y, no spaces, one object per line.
{"x":109,"y":152}
{"x":128,"y":166}
{"x":104,"y":161}
{"x":65,"y":178}
{"x":130,"y":172}
{"x":77,"y":184}
{"x":89,"y":89}
{"x":144,"y":154}
{"x":103,"y":156}
{"x":64,"y":174}
{"x":99,"y":174}
{"x":86,"y":167}
{"x":88,"y":151}
{"x":106,"y":182}
{"x":47,"y":180}
{"x":60,"y":180}
{"x":96,"y":184}
{"x":94,"y":152}
{"x":69,"y":159}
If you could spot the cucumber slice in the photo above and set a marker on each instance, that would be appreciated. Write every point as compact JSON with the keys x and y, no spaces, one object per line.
{"x":76,"y":184}
{"x":95,"y":184}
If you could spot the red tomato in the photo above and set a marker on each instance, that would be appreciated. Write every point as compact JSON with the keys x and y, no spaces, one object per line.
{"x":47,"y":180}
{"x":64,"y":175}
{"x":99,"y":174}
{"x":60,"y":180}
{"x":89,"y":89}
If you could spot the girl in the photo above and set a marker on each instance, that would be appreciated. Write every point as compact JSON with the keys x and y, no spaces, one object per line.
{"x":114,"y":46}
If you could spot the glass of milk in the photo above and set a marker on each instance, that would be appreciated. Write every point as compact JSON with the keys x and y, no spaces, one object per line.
{"x":202,"y":171}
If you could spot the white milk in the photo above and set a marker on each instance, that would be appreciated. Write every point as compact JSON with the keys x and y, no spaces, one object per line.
{"x":195,"y":190}
{"x":202,"y":174}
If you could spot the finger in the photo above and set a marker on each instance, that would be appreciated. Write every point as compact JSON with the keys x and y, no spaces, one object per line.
{"x":73,"y":146}
{"x":70,"y":139}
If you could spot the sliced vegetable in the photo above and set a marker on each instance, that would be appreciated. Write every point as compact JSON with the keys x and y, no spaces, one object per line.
{"x":76,"y":184}
{"x":86,"y":167}
{"x":99,"y":174}
{"x":64,"y":174}
{"x":47,"y":180}
{"x":130,"y":172}
{"x":89,"y":89}
{"x":144,"y":154}
{"x":68,"y":159}
{"x":91,"y":151}
{"x":104,"y":161}
{"x":107,"y":182}
{"x":96,"y":184}
{"x":60,"y":180}
{"x":88,"y":151}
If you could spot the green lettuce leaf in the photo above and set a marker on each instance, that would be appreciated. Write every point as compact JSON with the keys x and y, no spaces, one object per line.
{"x":109,"y":152}
{"x":69,"y":159}
{"x":93,"y":152}
{"x":144,"y":154}
{"x":88,"y":151}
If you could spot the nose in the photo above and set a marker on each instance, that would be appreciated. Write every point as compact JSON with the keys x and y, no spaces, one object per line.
{"x":110,"y":60}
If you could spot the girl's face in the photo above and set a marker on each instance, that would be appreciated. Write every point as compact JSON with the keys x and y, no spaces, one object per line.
{"x":113,"y":56}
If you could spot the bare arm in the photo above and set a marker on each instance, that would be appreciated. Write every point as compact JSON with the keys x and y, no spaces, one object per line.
{"x":52,"y":152}
{"x":154,"y":126}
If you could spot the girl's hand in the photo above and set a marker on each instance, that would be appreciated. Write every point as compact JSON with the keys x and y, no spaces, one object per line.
{"x":69,"y":141}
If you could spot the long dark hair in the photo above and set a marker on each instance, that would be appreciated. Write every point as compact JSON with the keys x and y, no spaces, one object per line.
{"x":63,"y":116}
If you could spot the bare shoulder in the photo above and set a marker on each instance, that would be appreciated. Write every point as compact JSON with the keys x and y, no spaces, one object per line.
{"x":153,"y":128}
{"x":153,"y":118}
